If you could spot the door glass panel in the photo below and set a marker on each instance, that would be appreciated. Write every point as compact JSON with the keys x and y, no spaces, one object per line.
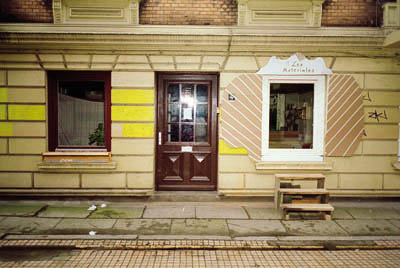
{"x":187,"y":113}
{"x":202,"y":113}
{"x":201,"y":133}
{"x":202,"y":93}
{"x":173,"y":112}
{"x":173,"y":133}
{"x":291,"y":116}
{"x":187,"y":133}
{"x":173,"y":92}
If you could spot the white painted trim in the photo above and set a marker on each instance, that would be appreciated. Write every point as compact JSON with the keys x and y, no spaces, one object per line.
{"x":317,"y":152}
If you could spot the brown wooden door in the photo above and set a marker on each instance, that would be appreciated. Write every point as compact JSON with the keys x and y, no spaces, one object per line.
{"x":186,"y":131}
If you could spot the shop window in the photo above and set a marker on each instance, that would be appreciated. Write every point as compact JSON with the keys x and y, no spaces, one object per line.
{"x":293,"y":118}
{"x":79,"y":111}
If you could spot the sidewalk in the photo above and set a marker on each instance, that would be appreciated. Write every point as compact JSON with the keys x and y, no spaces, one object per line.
{"x":354,"y":223}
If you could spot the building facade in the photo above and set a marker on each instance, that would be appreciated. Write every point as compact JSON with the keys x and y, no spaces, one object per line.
{"x":128,"y":97}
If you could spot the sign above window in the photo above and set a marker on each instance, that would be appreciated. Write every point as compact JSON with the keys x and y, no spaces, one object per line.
{"x":297,"y":64}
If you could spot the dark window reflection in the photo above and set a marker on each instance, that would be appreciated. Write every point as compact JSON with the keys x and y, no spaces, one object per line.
{"x":187,"y":133}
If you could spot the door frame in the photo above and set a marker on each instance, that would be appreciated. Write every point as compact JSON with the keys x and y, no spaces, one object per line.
{"x":189,"y":76}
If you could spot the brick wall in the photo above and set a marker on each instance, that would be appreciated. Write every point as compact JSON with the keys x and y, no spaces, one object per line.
{"x":352,"y":13}
{"x":188,"y":12}
{"x":26,"y":11}
{"x":201,"y":12}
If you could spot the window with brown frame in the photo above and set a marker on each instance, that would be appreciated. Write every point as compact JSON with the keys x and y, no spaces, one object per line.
{"x":79,"y":110}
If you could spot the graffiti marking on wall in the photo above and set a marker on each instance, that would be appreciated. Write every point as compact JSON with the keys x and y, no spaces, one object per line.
{"x":367,"y":97}
{"x":376,"y":115}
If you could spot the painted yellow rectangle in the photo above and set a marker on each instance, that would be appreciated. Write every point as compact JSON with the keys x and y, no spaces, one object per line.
{"x":3,"y":112}
{"x":132,"y":113}
{"x":6,"y":129}
{"x":26,"y":95}
{"x":132,"y":96}
{"x":26,"y":112}
{"x":3,"y":94}
{"x":138,"y":130}
{"x":225,"y":149}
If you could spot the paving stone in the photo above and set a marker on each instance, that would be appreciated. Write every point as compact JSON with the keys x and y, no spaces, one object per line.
{"x":369,"y":227}
{"x":199,"y":227}
{"x":265,"y":213}
{"x":143,"y":226}
{"x":20,"y":210}
{"x":83,"y":226}
{"x":64,"y":212}
{"x":117,"y":213}
{"x":396,"y":223}
{"x":313,"y":227}
{"x":342,"y":214}
{"x":169,"y":212}
{"x":27,"y":225}
{"x":208,"y":212}
{"x":374,"y":213}
{"x":256,"y":228}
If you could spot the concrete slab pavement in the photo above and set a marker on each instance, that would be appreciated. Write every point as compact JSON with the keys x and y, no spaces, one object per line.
{"x":199,"y":227}
{"x":264,"y":213}
{"x":193,"y":220}
{"x":20,"y":210}
{"x":313,"y":228}
{"x":369,"y":227}
{"x":27,"y":225}
{"x":340,"y":213}
{"x":83,"y":226}
{"x":373,"y":213}
{"x":246,"y":228}
{"x":215,"y":212}
{"x":118,"y":213}
{"x":64,"y":212}
{"x":143,"y":226}
{"x":170,"y":212}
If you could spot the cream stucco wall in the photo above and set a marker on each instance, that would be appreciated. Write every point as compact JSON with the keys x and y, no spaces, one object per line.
{"x":133,"y":62}
{"x":369,"y":172}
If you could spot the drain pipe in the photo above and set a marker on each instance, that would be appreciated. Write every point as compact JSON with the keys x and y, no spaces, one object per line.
{"x":398,"y":152}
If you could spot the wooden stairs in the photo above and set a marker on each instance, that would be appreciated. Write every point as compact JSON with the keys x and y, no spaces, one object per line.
{"x":304,"y":200}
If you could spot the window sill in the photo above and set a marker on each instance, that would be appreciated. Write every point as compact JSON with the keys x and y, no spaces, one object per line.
{"x":396,"y":165}
{"x":74,"y":161}
{"x":294,"y":165}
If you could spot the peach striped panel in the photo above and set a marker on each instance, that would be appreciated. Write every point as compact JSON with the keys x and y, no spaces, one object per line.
{"x":241,"y":119}
{"x":345,"y":117}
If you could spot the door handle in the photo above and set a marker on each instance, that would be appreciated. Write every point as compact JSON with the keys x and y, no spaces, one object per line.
{"x":159,"y":138}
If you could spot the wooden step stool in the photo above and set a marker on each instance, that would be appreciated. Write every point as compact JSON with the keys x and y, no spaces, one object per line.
{"x":324,"y":208}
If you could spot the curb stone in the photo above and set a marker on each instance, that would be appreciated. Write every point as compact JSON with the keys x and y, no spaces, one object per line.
{"x":133,"y":244}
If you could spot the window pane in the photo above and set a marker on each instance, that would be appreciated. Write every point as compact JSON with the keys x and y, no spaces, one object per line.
{"x":173,"y":112}
{"x":201,"y":133}
{"x":173,"y":92}
{"x":201,"y":113}
{"x":187,"y":132}
{"x":81,"y":113}
{"x":291,"y":116}
{"x":173,"y":133}
{"x":202,"y":93}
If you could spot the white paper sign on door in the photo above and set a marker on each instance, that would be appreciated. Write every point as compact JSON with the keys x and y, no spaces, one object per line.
{"x":186,"y":148}
{"x":187,"y":114}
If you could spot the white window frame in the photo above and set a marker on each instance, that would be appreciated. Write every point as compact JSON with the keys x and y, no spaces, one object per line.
{"x":298,"y":155}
